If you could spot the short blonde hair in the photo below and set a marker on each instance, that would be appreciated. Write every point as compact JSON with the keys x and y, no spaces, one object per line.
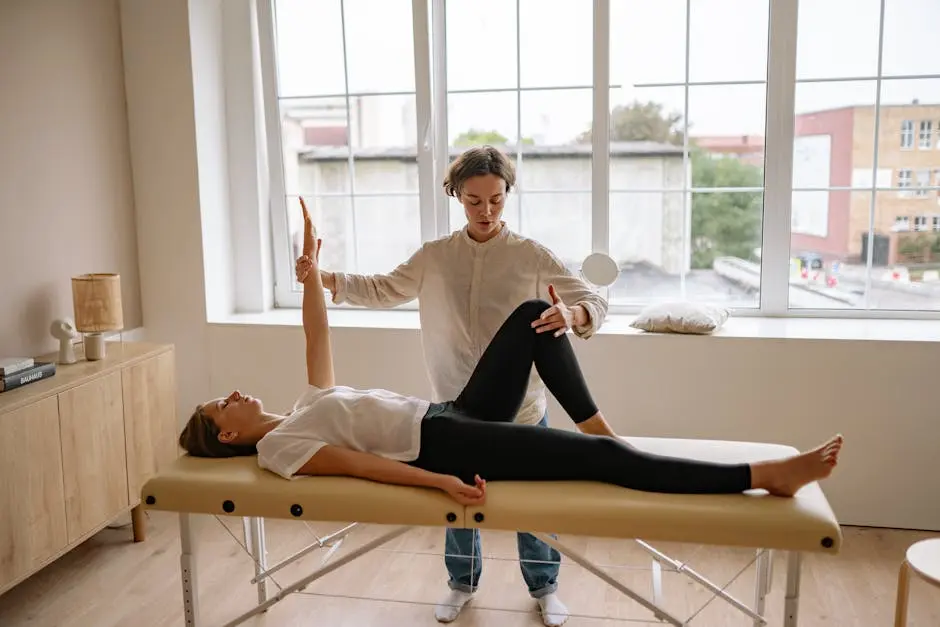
{"x":478,"y":161}
{"x":200,"y":438}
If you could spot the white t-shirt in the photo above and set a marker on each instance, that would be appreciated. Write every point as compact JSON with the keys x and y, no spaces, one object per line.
{"x":370,"y":421}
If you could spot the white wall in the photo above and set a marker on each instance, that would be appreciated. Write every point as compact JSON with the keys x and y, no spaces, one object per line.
{"x":66,"y":201}
{"x":793,"y":391}
{"x":160,"y":111}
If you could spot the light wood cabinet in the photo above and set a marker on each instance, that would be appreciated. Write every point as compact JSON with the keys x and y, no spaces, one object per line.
{"x":32,"y":496}
{"x":76,"y":448}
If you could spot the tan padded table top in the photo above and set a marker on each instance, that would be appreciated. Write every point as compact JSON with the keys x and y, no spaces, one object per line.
{"x":238,"y":487}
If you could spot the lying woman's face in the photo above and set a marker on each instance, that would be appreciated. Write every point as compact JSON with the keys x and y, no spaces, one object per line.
{"x":235,"y":413}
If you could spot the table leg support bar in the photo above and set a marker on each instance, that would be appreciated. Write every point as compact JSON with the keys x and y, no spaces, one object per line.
{"x":325,"y":570}
{"x":579,"y":559}
{"x":715,"y":589}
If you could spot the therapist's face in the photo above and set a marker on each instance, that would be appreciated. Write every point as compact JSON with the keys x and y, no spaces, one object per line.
{"x":483,"y":198}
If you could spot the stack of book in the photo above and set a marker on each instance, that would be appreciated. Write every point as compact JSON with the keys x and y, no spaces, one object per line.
{"x":19,"y":371}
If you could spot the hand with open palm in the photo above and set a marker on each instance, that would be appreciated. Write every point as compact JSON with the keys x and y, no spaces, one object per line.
{"x":308,"y":261}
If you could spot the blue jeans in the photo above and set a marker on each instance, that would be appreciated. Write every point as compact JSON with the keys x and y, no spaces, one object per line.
{"x":539,"y":562}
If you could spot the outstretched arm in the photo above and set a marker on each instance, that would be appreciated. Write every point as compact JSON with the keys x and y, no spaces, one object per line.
{"x":338,"y":461}
{"x":316,"y":324}
{"x":378,"y":291}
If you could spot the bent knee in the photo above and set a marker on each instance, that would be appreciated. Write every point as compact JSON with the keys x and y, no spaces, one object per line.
{"x":531,"y":309}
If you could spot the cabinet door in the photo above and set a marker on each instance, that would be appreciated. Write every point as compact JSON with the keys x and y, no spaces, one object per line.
{"x":91,"y":419}
{"x":149,"y":420}
{"x":32,"y":499}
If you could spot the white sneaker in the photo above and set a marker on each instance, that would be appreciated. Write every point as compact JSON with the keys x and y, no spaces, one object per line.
{"x":448,"y":608}
{"x":554,"y":612}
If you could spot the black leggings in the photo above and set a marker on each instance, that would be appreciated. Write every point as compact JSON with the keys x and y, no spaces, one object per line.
{"x":474,"y":434}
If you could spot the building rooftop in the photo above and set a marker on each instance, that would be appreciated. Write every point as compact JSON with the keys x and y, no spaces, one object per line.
{"x":409,"y":153}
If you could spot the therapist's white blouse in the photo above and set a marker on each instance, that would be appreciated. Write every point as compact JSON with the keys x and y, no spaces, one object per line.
{"x":466,"y":290}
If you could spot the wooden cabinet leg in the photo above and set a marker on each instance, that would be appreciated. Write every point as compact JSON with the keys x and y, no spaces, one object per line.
{"x":139,"y":522}
{"x":900,"y":609}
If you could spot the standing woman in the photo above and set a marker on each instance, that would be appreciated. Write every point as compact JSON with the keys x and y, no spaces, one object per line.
{"x":467,"y":284}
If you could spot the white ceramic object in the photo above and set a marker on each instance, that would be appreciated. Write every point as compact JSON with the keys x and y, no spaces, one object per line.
{"x":64,"y":331}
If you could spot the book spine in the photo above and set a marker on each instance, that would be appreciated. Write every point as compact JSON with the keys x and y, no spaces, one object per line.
{"x":25,"y":377}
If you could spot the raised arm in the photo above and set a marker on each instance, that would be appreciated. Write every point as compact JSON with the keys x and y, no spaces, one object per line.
{"x":316,"y":324}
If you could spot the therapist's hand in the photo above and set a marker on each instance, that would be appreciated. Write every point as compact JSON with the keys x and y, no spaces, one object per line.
{"x":558,"y":318}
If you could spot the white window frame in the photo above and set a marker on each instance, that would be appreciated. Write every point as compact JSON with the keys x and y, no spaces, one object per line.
{"x":924,"y":135}
{"x":920,"y":223}
{"x":905,"y":182}
{"x":921,"y":182}
{"x":433,"y":150}
{"x":907,"y":135}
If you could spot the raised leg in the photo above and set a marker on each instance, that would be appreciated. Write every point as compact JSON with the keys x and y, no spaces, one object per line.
{"x":139,"y":523}
{"x":900,"y":608}
{"x":498,"y":384}
{"x":188,"y":572}
{"x":792,"y":602}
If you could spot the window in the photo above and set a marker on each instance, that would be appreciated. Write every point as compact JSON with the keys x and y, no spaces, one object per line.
{"x":904,"y":182}
{"x":535,"y":101}
{"x":686,"y":151}
{"x":923,"y":182}
{"x":907,"y":134}
{"x":924,"y":136}
{"x":638,"y":130}
{"x":920,"y":223}
{"x":936,"y":223}
{"x":849,"y":111}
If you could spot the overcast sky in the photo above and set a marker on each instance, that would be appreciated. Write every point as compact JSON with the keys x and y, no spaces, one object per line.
{"x":838,"y":38}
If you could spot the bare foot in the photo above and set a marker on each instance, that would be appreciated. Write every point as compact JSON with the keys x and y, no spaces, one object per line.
{"x":786,"y":477}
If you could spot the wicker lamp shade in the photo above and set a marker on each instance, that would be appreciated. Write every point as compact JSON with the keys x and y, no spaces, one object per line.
{"x":96,"y":299}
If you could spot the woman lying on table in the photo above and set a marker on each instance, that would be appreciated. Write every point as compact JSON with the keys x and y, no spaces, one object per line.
{"x":458,"y":445}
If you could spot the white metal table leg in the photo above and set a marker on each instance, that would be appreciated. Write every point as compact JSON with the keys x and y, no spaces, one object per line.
{"x":246,"y":534}
{"x":258,"y":554}
{"x":791,"y":605}
{"x":188,"y":572}
{"x":761,"y":579}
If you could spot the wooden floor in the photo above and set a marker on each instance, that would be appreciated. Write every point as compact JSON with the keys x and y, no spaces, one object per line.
{"x":109,"y":580}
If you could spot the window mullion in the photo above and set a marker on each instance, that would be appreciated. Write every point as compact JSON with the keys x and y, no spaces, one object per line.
{"x":440,"y":144}
{"x":423,"y":111}
{"x":778,"y":164}
{"x":600,"y":136}
{"x":280,"y":223}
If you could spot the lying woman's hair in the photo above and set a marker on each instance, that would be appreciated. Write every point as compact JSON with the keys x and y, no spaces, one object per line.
{"x":200,"y":438}
{"x":478,"y":161}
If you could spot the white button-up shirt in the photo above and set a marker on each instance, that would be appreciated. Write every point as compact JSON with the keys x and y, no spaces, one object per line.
{"x":466,"y":290}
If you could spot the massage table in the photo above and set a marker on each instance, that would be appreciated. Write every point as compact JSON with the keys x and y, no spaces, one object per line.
{"x":237,"y":487}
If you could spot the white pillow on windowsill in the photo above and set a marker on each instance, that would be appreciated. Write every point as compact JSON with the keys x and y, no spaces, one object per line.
{"x":681,"y":317}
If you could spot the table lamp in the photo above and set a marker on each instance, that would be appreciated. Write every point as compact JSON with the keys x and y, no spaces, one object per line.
{"x":96,"y":299}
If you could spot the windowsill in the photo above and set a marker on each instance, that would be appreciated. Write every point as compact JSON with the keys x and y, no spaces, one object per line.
{"x":885,"y":330}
